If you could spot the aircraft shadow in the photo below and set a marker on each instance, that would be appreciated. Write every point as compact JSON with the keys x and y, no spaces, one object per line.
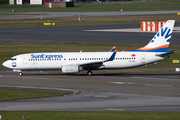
{"x":105,"y":74}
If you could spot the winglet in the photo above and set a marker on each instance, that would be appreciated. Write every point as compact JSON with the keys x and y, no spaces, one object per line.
{"x":112,"y":56}
{"x":113,"y":49}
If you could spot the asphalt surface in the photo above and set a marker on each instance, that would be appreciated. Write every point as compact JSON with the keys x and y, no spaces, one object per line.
{"x":100,"y":92}
{"x":81,"y":34}
{"x":16,"y":15}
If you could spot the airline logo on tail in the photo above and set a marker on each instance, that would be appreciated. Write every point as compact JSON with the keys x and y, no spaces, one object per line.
{"x":161,"y":40}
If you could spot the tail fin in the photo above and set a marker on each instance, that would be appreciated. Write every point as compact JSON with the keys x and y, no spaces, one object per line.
{"x":160,"y":42}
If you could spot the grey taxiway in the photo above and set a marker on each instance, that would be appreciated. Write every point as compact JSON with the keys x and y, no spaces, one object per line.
{"x":100,"y":92}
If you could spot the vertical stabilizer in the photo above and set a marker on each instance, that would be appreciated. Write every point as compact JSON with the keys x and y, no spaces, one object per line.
{"x":160,"y":42}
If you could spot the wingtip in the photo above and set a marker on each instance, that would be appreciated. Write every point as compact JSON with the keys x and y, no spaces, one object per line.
{"x":114,"y":47}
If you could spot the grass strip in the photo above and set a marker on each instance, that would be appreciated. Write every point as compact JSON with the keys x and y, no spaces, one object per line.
{"x":68,"y":21}
{"x":9,"y":94}
{"x":90,"y":115}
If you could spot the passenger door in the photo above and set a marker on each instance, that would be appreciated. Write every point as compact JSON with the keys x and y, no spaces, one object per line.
{"x":143,"y":58}
{"x":24,"y":60}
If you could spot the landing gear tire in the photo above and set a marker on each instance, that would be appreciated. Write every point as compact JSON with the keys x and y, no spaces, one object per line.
{"x":89,"y":73}
{"x":20,"y":73}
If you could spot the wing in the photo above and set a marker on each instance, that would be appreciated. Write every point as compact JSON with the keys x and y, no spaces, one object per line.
{"x":97,"y":64}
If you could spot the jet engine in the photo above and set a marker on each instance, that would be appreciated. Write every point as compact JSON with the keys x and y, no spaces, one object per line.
{"x":71,"y":69}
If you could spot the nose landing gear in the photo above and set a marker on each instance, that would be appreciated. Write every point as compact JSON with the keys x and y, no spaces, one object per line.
{"x":21,"y":73}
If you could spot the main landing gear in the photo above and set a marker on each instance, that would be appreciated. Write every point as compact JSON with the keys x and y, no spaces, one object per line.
{"x":89,"y":72}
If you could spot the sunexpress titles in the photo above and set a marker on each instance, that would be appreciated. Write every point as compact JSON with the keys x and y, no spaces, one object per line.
{"x":43,"y":56}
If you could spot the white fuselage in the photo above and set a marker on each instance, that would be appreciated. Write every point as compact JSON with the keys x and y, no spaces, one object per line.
{"x":40,"y":61}
{"x":73,"y":62}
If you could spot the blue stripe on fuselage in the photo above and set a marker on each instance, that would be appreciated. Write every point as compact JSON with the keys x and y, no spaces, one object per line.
{"x":154,"y":50}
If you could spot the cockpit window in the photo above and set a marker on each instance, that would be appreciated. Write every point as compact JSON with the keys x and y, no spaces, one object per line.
{"x":13,"y":59}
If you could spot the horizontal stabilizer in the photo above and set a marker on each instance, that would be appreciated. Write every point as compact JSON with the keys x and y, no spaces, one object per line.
{"x":167,"y":53}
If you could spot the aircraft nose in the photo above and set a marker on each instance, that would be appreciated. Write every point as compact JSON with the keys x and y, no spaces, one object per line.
{"x":6,"y":64}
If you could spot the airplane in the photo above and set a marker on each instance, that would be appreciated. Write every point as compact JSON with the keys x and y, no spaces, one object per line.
{"x":74,"y":62}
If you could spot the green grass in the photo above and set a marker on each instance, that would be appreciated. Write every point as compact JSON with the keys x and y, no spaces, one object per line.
{"x":86,"y":20}
{"x":87,"y":7}
{"x":90,"y":115}
{"x":8,"y":94}
{"x":9,"y":50}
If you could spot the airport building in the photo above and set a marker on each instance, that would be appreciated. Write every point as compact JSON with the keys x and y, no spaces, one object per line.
{"x":20,"y":2}
{"x":47,"y":3}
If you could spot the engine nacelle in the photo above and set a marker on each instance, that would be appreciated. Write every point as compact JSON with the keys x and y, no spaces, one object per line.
{"x":70,"y":69}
